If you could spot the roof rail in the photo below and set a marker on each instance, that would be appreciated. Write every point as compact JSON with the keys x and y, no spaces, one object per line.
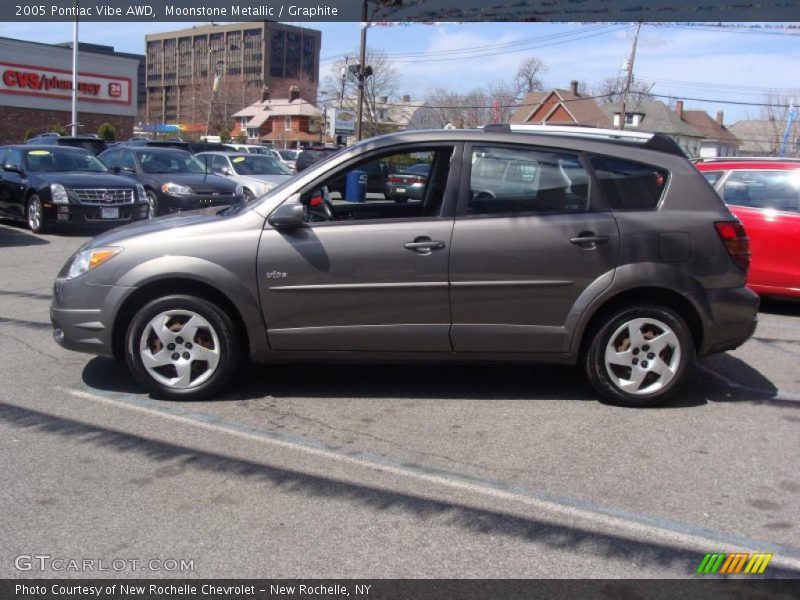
{"x":745,"y":159}
{"x":659,"y":142}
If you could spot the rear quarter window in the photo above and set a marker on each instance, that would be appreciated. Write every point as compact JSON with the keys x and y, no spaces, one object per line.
{"x":629,"y":185}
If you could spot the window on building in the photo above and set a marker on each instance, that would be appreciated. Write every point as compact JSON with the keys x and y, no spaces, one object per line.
{"x":287,"y":123}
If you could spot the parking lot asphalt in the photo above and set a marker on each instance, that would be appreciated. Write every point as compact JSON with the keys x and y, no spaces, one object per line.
{"x":388,"y":471}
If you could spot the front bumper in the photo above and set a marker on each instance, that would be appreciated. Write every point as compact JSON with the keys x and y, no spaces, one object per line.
{"x":734,"y":319}
{"x":112,"y":215}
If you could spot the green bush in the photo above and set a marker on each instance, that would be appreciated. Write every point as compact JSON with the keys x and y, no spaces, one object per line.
{"x":29,"y":133}
{"x":107,"y":132}
{"x":241,"y":138}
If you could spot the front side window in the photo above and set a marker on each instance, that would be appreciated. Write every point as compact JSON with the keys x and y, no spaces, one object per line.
{"x":508,"y":181}
{"x":127,"y":162}
{"x":629,"y":185}
{"x":778,"y":190}
{"x":408,"y":184}
{"x":219,"y":164}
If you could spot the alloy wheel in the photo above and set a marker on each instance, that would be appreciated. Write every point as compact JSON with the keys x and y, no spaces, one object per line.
{"x":180,"y":349}
{"x":642,"y":356}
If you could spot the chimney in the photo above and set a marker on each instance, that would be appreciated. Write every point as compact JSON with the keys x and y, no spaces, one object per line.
{"x":264,"y":94}
{"x":384,"y":99}
{"x":294,"y":93}
{"x":719,"y":118}
{"x":679,"y":109}
{"x":573,"y":85}
{"x":406,"y":98}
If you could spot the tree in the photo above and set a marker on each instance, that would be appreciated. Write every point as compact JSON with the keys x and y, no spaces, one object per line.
{"x":59,"y":129}
{"x":241,"y":138}
{"x":528,"y":76}
{"x":383,"y":82}
{"x":107,"y":132}
{"x":29,"y":133}
{"x":611,"y":90}
{"x":225,"y":135}
{"x":775,"y":114}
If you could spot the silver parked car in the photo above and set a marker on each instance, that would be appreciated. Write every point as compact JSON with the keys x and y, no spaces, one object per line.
{"x":256,"y":173}
{"x":602,"y":249}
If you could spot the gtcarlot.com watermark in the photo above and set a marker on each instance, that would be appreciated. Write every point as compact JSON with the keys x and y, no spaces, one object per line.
{"x":57,"y":564}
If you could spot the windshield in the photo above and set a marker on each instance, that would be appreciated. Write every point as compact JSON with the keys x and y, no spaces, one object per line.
{"x":256,"y":164}
{"x":169,"y":161}
{"x":62,"y":160}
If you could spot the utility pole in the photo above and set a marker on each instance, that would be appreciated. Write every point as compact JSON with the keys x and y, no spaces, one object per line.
{"x":362,"y":53}
{"x":629,"y":78}
{"x":74,"y":124}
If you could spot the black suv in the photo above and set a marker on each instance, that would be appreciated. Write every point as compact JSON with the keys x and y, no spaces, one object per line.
{"x":599,"y":248}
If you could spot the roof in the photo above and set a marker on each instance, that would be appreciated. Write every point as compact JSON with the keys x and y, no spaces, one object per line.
{"x":657,"y":118}
{"x":583,"y":110}
{"x":277,"y":107}
{"x":708,"y":127}
{"x":759,"y":136}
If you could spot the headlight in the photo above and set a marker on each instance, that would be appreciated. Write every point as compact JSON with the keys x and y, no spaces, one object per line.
{"x":85,"y":261}
{"x":58,"y":194}
{"x":239,"y":190}
{"x":176,"y":189}
{"x":140,"y":193}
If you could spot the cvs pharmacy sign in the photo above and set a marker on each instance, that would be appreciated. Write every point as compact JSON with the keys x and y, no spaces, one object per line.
{"x":32,"y":80}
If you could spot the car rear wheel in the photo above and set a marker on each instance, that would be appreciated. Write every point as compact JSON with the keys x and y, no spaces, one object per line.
{"x":640,"y":356}
{"x":182,"y":348}
{"x":152,"y":200}
{"x":34,"y":214}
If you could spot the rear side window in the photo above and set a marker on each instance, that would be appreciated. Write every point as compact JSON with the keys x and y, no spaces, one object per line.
{"x":505,"y":180}
{"x":629,"y":185}
{"x":779,"y":190}
{"x":712,"y":177}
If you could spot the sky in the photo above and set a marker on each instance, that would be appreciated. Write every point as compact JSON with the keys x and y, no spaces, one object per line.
{"x":691,"y":61}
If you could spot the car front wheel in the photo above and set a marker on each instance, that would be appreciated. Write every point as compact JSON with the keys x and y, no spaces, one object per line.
{"x":640,"y":356}
{"x":152,"y":201}
{"x":34,"y":214}
{"x":182,"y":348}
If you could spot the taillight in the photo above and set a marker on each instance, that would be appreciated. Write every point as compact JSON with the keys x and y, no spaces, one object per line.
{"x":736,"y":242}
{"x":393,"y":179}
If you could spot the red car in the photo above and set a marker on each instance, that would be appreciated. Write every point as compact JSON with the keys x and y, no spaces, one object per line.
{"x":764,"y":193}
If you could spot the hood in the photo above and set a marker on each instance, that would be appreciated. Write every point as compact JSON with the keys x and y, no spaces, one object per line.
{"x":146,"y":227}
{"x":82,"y":180}
{"x":199,"y":182}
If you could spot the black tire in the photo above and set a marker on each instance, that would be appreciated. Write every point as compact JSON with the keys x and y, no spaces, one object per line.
{"x":153,"y":200}
{"x":602,"y":379}
{"x":223,"y":326}
{"x":36,"y":225}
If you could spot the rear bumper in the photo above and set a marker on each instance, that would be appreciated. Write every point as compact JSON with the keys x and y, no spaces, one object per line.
{"x":734,"y":316}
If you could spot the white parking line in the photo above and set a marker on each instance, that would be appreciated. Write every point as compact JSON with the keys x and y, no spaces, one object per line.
{"x":639,"y":526}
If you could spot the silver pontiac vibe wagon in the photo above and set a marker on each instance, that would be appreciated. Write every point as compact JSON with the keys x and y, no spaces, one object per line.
{"x":580,"y":246}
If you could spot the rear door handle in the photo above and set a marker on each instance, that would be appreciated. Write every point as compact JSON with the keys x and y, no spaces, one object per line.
{"x":424,"y":245}
{"x":589,"y":240}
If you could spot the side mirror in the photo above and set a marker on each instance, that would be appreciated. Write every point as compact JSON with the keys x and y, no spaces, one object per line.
{"x":13,"y":168}
{"x":117,"y":170}
{"x":288,"y":215}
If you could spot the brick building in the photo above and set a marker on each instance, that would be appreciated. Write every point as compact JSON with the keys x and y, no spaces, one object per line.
{"x":36,"y":90}
{"x":181,"y":64}
{"x":285,"y":122}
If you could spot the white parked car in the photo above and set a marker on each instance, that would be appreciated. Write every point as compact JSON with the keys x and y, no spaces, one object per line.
{"x":254,"y":149}
{"x":289,"y":156}
{"x":256,"y":173}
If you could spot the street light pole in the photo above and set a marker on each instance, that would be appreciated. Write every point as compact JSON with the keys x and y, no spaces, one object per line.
{"x":74,"y":124}
{"x":362,"y":60}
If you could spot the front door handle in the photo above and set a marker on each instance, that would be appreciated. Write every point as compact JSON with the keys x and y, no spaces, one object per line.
{"x":424,"y":245}
{"x":589,"y":240}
